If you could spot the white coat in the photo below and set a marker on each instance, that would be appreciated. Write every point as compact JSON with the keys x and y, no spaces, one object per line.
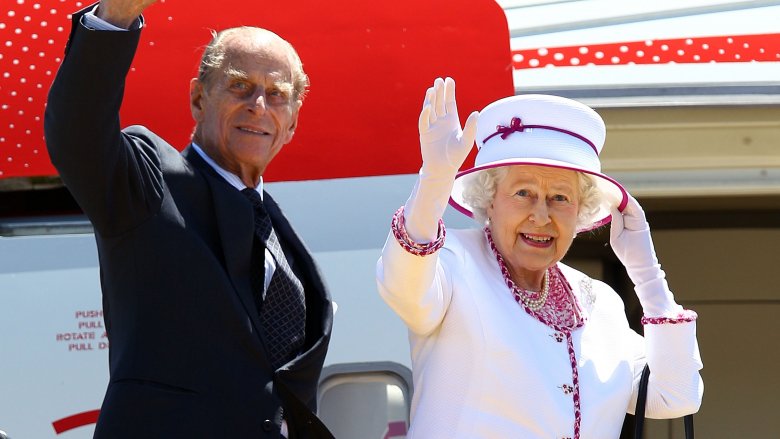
{"x":484,"y":368}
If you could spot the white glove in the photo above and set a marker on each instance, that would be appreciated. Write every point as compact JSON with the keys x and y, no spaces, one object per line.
{"x":631,"y":241}
{"x":444,"y":147}
{"x":443,"y":144}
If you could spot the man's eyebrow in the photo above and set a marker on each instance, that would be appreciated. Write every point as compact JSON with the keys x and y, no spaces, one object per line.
{"x":234,"y":73}
{"x":284,"y":86}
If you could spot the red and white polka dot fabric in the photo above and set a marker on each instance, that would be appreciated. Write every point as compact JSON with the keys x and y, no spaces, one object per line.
{"x":32,"y":37}
{"x":720,"y":49}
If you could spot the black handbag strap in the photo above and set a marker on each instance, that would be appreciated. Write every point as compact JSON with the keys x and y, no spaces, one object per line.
{"x":641,"y":401}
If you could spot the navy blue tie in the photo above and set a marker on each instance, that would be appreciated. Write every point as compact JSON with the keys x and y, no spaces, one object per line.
{"x":283,"y":306}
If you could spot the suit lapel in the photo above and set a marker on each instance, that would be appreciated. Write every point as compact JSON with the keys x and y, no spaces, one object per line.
{"x":317,"y":297}
{"x":236,"y":231}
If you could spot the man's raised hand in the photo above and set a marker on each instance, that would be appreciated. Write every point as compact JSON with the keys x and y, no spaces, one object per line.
{"x":122,"y":13}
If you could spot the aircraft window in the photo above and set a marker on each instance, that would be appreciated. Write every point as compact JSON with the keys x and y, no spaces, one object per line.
{"x":366,"y":400}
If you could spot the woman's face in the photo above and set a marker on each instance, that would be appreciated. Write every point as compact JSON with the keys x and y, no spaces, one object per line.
{"x":533,"y":219}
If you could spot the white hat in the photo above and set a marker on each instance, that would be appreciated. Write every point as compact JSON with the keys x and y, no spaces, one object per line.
{"x":543,"y":130}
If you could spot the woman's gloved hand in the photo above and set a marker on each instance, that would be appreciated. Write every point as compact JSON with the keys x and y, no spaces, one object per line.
{"x":444,"y":146}
{"x":631,"y":241}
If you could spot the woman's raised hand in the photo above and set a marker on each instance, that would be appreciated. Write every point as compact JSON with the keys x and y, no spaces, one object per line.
{"x":630,"y":240}
{"x":444,"y":145}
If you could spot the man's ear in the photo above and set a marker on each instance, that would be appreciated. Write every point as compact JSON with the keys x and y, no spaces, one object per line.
{"x":293,"y":123}
{"x":197,"y":90}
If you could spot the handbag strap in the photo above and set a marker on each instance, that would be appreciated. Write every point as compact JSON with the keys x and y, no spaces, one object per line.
{"x":641,"y":401}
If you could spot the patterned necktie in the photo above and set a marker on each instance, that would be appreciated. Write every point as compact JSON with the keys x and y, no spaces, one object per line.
{"x":283,"y":310}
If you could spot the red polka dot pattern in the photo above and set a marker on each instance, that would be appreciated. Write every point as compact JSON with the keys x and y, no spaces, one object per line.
{"x":333,"y":128}
{"x":721,"y":49}
{"x":32,"y":37}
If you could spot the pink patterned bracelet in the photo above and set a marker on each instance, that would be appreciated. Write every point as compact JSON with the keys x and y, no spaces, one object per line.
{"x":398,"y":226}
{"x":685,"y":316}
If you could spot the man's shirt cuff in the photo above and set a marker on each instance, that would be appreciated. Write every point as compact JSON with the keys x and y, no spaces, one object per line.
{"x":93,"y":22}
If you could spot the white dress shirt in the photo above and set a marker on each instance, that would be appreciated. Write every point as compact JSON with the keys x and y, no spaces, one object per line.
{"x":233,"y":180}
{"x":92,"y":21}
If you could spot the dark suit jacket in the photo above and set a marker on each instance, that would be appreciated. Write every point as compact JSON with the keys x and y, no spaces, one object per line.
{"x":174,"y":239}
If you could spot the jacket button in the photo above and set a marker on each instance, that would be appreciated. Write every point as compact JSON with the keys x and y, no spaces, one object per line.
{"x":268,"y":425}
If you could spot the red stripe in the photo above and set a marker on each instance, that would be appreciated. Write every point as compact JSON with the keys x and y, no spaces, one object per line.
{"x":718,"y":49}
{"x":75,"y":421}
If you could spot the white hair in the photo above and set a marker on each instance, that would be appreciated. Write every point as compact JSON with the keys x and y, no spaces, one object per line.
{"x":479,"y":188}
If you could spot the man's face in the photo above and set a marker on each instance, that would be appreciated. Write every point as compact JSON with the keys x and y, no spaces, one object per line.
{"x":245,"y":112}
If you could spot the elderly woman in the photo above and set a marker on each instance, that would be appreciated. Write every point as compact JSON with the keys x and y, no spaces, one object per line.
{"x":506,"y":341}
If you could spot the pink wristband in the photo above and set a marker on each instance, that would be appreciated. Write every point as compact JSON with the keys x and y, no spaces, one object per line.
{"x":398,"y":226}
{"x":685,"y":316}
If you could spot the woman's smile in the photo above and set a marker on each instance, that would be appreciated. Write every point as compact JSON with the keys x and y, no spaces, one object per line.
{"x":534,"y":240}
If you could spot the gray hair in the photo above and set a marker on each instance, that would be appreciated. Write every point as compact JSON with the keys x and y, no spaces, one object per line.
{"x":479,"y":188}
{"x":214,"y":56}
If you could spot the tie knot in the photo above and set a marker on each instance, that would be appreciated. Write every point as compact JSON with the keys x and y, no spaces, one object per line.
{"x":253,"y":197}
{"x":262,"y":221}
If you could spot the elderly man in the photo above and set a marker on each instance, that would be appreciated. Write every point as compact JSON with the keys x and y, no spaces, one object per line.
{"x":217,"y":316}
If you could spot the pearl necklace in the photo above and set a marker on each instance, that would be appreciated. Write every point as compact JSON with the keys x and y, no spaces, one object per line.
{"x":521,"y":295}
{"x":533,"y":303}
